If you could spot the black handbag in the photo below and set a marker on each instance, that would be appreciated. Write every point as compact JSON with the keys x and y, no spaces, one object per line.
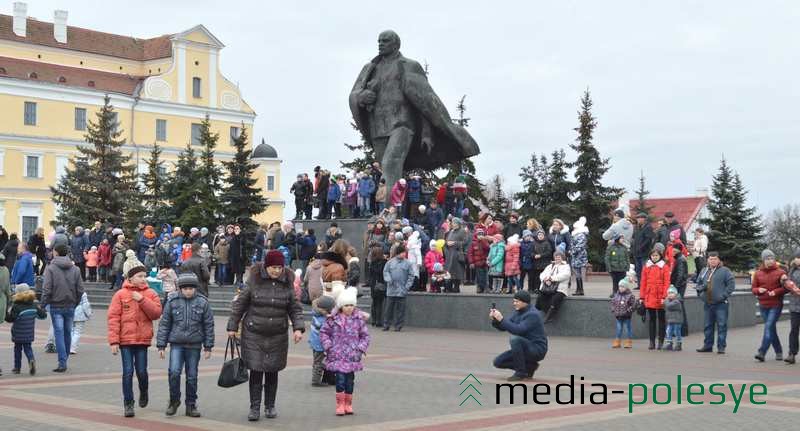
{"x":233,"y":370}
{"x":304,"y":296}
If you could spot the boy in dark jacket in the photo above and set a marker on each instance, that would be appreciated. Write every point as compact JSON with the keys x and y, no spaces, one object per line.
{"x":23,"y":315}
{"x":674,"y":311}
{"x":187,"y":323}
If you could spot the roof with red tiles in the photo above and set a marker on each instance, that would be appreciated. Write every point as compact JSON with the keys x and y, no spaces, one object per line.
{"x":684,"y":209}
{"x":95,"y":42}
{"x":68,"y":76}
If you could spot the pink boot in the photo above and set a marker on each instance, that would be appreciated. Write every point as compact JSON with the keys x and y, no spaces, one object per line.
{"x":340,"y":403}
{"x":348,"y":404}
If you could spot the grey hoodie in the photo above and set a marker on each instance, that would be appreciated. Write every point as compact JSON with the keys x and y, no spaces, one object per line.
{"x":63,"y":287}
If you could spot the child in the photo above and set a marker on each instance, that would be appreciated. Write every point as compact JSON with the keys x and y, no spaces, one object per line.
{"x":205,"y":254}
{"x":496,"y":261}
{"x":186,"y":252}
{"x":23,"y":314}
{"x":439,"y":278}
{"x":353,"y":268}
{"x":130,"y":330}
{"x":345,"y":339}
{"x":185,"y":337}
{"x":511,"y":266}
{"x":320,"y":309}
{"x":398,"y":196}
{"x":622,"y":305}
{"x":91,"y":257}
{"x":674,"y":310}
{"x":169,"y":280}
{"x":432,"y":257}
{"x":83,"y":312}
{"x":104,"y":260}
{"x":150,"y":261}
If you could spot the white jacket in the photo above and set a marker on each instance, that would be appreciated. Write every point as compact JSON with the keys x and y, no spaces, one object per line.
{"x":559,"y":274}
{"x":700,"y":245}
{"x":83,"y":311}
{"x":415,"y":252}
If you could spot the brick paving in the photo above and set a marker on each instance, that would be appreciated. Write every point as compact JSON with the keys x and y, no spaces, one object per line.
{"x":411,"y":382}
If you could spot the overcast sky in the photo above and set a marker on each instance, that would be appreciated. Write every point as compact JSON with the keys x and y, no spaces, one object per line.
{"x":675,"y":84}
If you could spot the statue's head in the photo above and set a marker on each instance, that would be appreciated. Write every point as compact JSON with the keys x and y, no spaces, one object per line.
{"x":388,"y":43}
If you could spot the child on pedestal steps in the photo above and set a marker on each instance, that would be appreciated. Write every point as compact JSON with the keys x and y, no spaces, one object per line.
{"x":496,"y":261}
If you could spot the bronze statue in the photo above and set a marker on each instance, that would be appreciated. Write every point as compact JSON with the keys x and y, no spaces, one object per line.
{"x":400,"y":115}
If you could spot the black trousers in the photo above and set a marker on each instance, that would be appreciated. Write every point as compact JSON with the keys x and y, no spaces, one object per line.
{"x":269,"y":382}
{"x":529,"y":274}
{"x":653,"y":315}
{"x":299,"y":207}
{"x":794,"y":332}
{"x":394,"y":310}
{"x":82,"y":266}
{"x":376,"y":310}
{"x":308,"y":209}
{"x":616,"y":277}
{"x":545,"y":301}
{"x":453,"y":286}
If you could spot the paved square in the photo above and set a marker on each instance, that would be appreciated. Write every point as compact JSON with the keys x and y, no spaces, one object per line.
{"x":412,"y":382}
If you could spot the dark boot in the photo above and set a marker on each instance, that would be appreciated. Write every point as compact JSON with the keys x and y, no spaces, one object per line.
{"x":550,"y":315}
{"x":255,"y":401}
{"x":172,"y":407}
{"x":143,"y":399}
{"x":789,"y":358}
{"x":678,"y":346}
{"x":129,"y":413}
{"x":660,"y":343}
{"x":668,"y":346}
{"x":652,"y":345}
{"x":191,"y":411}
{"x":32,"y":366}
{"x":579,"y":289}
{"x":270,"y":391}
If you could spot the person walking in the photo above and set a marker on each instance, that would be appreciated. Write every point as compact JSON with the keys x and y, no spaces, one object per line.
{"x":23,"y":315}
{"x":61,"y":292}
{"x":791,"y":284}
{"x":36,"y":245}
{"x":399,"y":277}
{"x":714,"y":285}
{"x":264,"y":308}
{"x":768,"y":288}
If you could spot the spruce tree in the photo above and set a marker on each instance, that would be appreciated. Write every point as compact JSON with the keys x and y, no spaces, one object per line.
{"x":533,"y":179}
{"x":557,"y":190}
{"x":735,"y":230}
{"x":154,"y":183}
{"x":241,"y":200}
{"x":499,"y":204}
{"x":593,"y":199}
{"x":183,"y":191}
{"x":102,"y":183}
{"x":366,"y":157}
{"x":466,"y":169}
{"x":641,"y":195}
{"x":209,"y":174}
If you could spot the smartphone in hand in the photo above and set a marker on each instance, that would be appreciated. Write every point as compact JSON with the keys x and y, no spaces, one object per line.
{"x":494,"y":306}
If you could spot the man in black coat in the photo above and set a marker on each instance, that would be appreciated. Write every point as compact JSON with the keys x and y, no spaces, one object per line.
{"x":673,"y":225}
{"x":196,"y":265}
{"x":299,"y":191}
{"x":643,"y":240}
{"x":528,"y":340}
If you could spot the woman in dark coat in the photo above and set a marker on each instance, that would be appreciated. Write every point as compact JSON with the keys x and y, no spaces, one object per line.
{"x":263,"y":308}
{"x":10,"y":251}
{"x":37,"y":247}
{"x":236,"y":254}
{"x":455,"y":259}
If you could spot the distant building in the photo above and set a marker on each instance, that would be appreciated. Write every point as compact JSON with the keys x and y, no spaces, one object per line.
{"x":688,"y":211}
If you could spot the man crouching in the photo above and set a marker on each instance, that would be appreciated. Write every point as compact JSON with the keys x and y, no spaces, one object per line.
{"x":528,"y":340}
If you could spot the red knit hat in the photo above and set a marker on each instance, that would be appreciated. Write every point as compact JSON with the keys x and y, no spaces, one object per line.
{"x":274,"y":258}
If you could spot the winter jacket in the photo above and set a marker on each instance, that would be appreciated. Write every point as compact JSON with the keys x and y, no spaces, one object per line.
{"x":544,"y":250}
{"x":721,"y":285}
{"x":643,"y":240}
{"x":36,"y":246}
{"x":496,"y":258}
{"x":92,"y":258}
{"x":435,"y":218}
{"x":264,"y":309}
{"x":432,"y":258}
{"x":345,"y":340}
{"x":478,"y":252}
{"x":620,"y":227}
{"x":10,"y":252}
{"x":299,"y":189}
{"x":5,"y":291}
{"x":674,"y":310}
{"x":680,"y":274}
{"x":623,"y":304}
{"x":78,"y":244}
{"x":526,"y":255}
{"x":654,"y":284}
{"x":617,"y":258}
{"x":96,"y":237}
{"x":366,"y":187}
{"x":559,"y":274}
{"x":104,"y":255}
{"x":334,"y":193}
{"x":562,"y":240}
{"x":398,"y":193}
{"x":221,"y":252}
{"x":313,"y":279}
{"x":169,"y":280}
{"x":794,"y":298}
{"x":700,"y":246}
{"x":353,"y":272}
{"x":83,"y":311}
{"x":130,"y":322}
{"x":23,"y":270}
{"x":672,"y":227}
{"x":380,"y":193}
{"x":23,"y":315}
{"x":455,"y":258}
{"x":63,"y":286}
{"x":414,"y":191}
{"x":199,"y":268}
{"x":578,"y":251}
{"x":317,"y":320}
{"x":118,"y":256}
{"x":511,"y":264}
{"x":526,"y":323}
{"x":769,"y":278}
{"x":414,"y":252}
{"x":186,"y":322}
{"x":398,"y":275}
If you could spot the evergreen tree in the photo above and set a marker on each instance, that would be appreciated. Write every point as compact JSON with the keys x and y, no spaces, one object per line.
{"x":593,"y":199}
{"x":241,"y":200}
{"x":641,"y":195}
{"x":366,"y":158}
{"x":209,"y":174}
{"x":735,"y":230}
{"x":102,"y":183}
{"x":499,"y":204}
{"x":466,"y":169}
{"x":556,"y":191}
{"x":154,"y":183}
{"x":183,"y":191}
{"x":531,"y":194}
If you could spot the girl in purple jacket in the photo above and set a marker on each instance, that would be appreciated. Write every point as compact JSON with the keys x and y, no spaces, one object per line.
{"x":345,"y":340}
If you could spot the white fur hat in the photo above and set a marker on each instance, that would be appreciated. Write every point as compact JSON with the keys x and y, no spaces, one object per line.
{"x":513,"y":239}
{"x":348,"y":296}
{"x":336,"y":288}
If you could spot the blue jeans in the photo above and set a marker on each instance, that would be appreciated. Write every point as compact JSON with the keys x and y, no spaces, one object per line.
{"x":674,"y":331}
{"x":18,"y":349}
{"x":771,"y":316}
{"x":626,"y":324}
{"x":133,"y":357}
{"x":62,"y":330}
{"x":364,"y":205}
{"x":222,"y":273}
{"x":381,"y":206}
{"x":512,"y":281}
{"x":522,"y":357}
{"x":345,"y":382}
{"x":180,"y":357}
{"x":716,"y":314}
{"x":481,"y":279}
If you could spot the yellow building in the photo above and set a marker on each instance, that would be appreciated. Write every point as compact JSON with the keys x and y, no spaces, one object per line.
{"x":53,"y":79}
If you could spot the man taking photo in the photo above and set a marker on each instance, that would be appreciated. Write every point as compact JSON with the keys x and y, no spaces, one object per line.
{"x":528,"y":340}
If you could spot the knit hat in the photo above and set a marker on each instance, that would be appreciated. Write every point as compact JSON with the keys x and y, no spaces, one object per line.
{"x":559,"y":252}
{"x":135,"y":270}
{"x":402,"y":181}
{"x":399,"y":236}
{"x":513,"y":239}
{"x":194,"y":230}
{"x":767,"y":254}
{"x":326,"y":303}
{"x":523,"y":295}
{"x":187,"y":279}
{"x":458,"y":221}
{"x":641,"y":215}
{"x":580,"y":223}
{"x":527,"y":233}
{"x":21,"y":288}
{"x":204,"y":231}
{"x":130,"y":253}
{"x":421,"y":208}
{"x":274,"y":258}
{"x":464,"y":212}
{"x":432,"y":244}
{"x":659,"y":248}
{"x":407,"y":230}
{"x":626,"y":283}
{"x":349,"y":296}
{"x":95,"y":248}
{"x":497,"y":237}
{"x":672,"y":289}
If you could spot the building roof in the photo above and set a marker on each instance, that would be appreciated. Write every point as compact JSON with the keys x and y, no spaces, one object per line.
{"x":265,"y":151}
{"x":68,"y":76}
{"x":95,"y":42}
{"x":684,"y":209}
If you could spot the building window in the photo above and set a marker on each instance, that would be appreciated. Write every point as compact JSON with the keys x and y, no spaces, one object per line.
{"x":29,"y":226}
{"x":33,"y":166}
{"x":235,"y":132}
{"x":161,"y":130}
{"x":30,"y":113}
{"x":270,"y":183}
{"x":196,"y":87}
{"x":61,"y":166}
{"x":196,"y":134}
{"x":162,"y":171}
{"x":80,"y":119}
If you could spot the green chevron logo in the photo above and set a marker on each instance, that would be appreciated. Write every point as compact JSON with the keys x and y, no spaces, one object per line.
{"x":470,"y":390}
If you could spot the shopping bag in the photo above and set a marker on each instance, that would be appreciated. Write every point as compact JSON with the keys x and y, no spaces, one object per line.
{"x":233,"y":370}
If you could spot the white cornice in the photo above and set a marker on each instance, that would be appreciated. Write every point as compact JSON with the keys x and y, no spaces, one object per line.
{"x":61,"y":93}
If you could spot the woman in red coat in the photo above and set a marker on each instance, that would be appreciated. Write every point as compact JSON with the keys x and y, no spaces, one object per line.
{"x":654,"y":285}
{"x":768,"y":288}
